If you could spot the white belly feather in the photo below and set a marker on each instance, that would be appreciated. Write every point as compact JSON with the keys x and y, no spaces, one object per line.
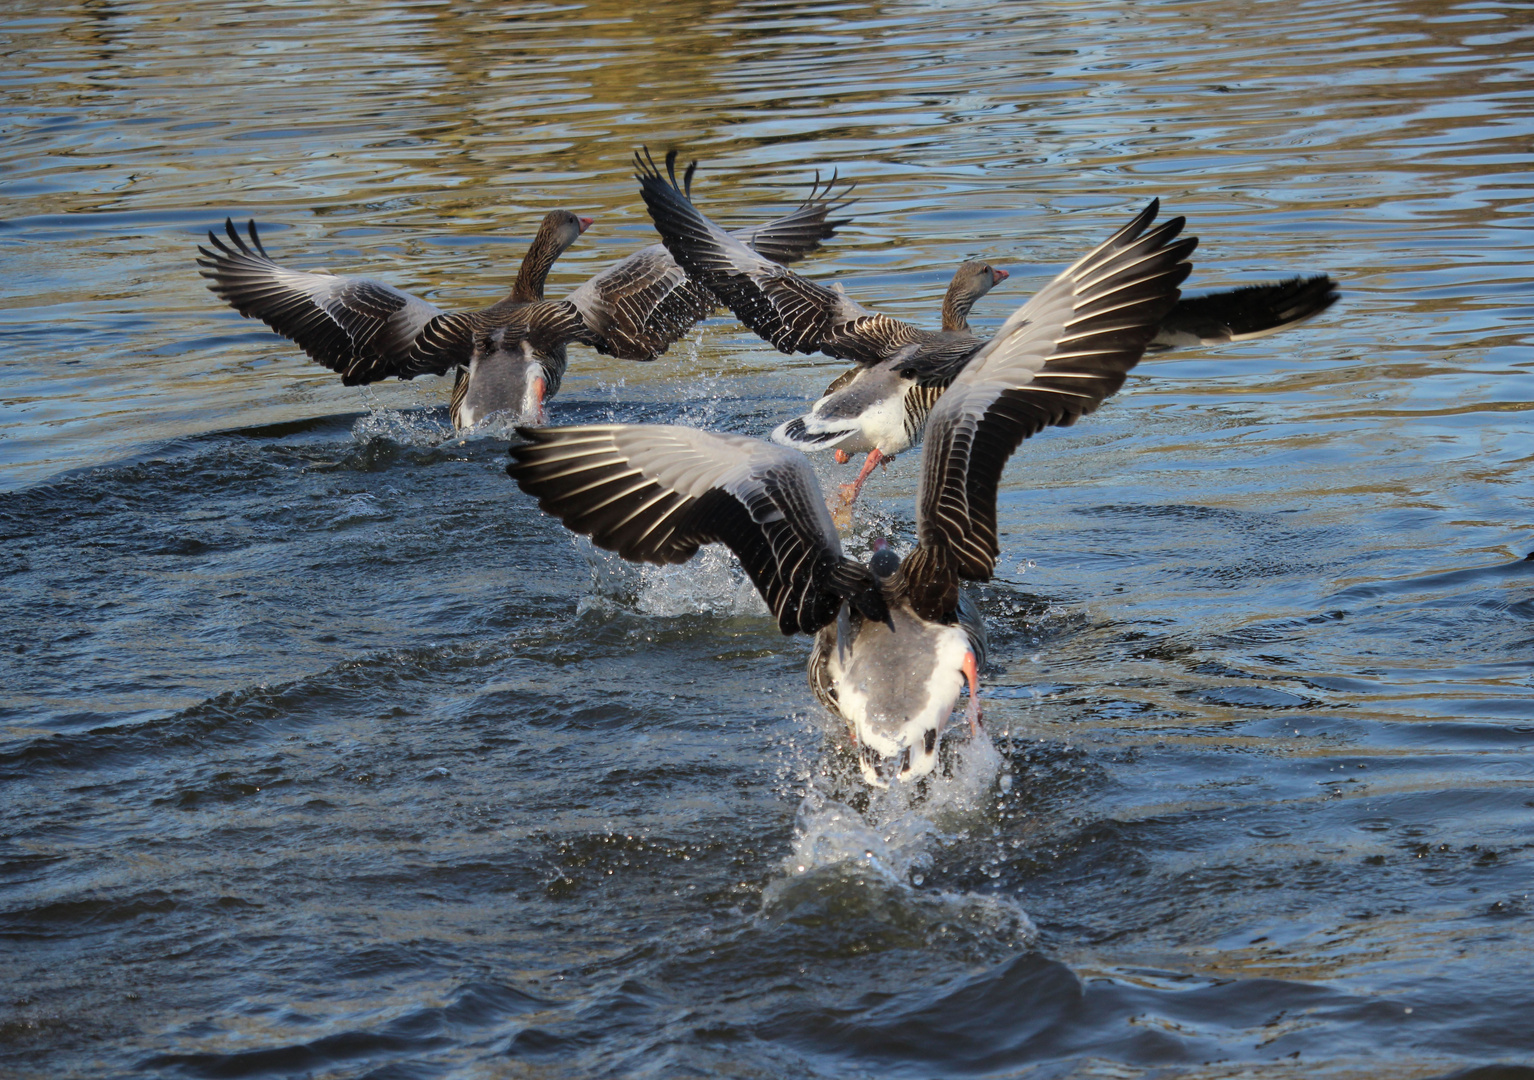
{"x":897,"y":690}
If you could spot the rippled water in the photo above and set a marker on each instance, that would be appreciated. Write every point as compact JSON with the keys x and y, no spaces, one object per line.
{"x":324,"y":754}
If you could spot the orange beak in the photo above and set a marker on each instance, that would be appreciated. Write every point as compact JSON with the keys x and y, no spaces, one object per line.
{"x":998,"y":275}
{"x":585,"y":222}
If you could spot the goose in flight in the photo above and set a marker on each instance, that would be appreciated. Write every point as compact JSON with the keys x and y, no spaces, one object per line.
{"x":895,"y":640}
{"x":509,"y":356}
{"x":881,"y":407}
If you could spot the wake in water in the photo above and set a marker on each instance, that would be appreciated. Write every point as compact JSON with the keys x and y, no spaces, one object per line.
{"x":878,"y":859}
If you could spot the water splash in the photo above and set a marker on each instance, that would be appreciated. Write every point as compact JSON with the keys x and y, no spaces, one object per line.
{"x":828,"y":833}
{"x":501,"y":426}
{"x":893,"y":837}
{"x":710,"y":583}
{"x":849,"y":862}
{"x":413,"y":427}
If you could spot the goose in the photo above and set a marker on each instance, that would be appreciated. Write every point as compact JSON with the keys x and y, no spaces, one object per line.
{"x":880,"y":407}
{"x":510,"y":356}
{"x":896,"y":640}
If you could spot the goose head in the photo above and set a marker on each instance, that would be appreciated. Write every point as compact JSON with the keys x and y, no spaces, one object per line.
{"x":885,"y":563}
{"x":559,"y":230}
{"x":971,"y":281}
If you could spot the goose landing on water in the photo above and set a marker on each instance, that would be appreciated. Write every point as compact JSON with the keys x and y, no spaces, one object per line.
{"x":880,"y":408}
{"x":509,"y":357}
{"x":895,"y":641}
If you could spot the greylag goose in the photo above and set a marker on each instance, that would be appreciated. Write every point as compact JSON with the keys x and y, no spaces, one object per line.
{"x":880,"y":407}
{"x":509,"y":356}
{"x":895,"y":641}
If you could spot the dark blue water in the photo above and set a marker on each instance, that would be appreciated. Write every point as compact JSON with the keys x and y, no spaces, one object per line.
{"x":324,"y":754}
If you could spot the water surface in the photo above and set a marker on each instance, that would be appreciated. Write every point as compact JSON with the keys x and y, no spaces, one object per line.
{"x":324,"y":754}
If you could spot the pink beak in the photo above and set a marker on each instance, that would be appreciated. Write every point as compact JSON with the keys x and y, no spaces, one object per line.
{"x":998,"y":276}
{"x":585,"y":222}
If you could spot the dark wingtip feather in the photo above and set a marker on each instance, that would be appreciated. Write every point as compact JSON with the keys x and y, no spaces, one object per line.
{"x":234,"y":234}
{"x":644,"y":165}
{"x":856,"y":583}
{"x":1249,"y":310}
{"x":255,"y":239}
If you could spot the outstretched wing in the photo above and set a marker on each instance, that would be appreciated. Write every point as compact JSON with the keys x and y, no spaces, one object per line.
{"x":656,"y":493}
{"x":364,"y":329}
{"x":794,"y":235}
{"x":791,"y":312}
{"x":637,"y":308}
{"x":1054,"y":360}
{"x":1248,"y":312}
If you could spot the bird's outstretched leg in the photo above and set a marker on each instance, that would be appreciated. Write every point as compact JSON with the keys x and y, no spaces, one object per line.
{"x":850,"y":491}
{"x":972,"y":673}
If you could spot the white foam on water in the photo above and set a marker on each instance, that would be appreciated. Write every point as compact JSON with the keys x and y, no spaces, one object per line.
{"x":888,"y":849}
{"x":831,"y":833}
{"x":883,"y":854}
{"x":357,"y":508}
{"x":711,"y":582}
{"x":413,"y":427}
{"x":614,"y":580}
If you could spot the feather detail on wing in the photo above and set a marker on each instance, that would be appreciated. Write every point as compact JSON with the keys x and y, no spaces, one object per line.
{"x":364,"y":329}
{"x":639,"y":307}
{"x":656,"y":493}
{"x":1054,"y":360}
{"x":796,"y":234}
{"x":460,"y":392}
{"x":1247,"y":312}
{"x":792,"y":312}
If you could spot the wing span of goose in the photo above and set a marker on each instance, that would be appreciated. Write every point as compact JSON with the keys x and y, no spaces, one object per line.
{"x":656,"y":493}
{"x":640,"y":306}
{"x":1054,"y":360}
{"x":362,"y":328}
{"x":792,"y":312}
{"x":794,"y":235}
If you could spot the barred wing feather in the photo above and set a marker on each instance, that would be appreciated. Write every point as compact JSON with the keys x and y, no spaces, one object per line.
{"x":792,"y":312}
{"x":799,"y":232}
{"x":1054,"y":360}
{"x":362,"y":328}
{"x":655,"y":493}
{"x":640,"y":306}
